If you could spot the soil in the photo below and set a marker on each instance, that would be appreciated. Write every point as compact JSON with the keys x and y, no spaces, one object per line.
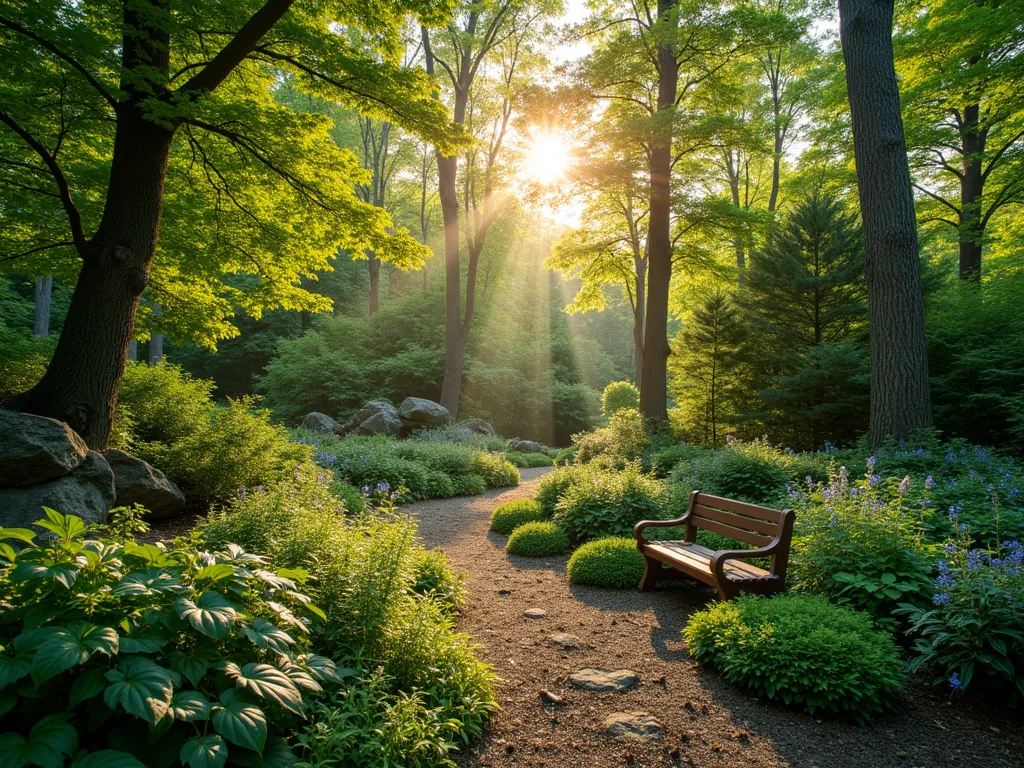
{"x":705,"y":721}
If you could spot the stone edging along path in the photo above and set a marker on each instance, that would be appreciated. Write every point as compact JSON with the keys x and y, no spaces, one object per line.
{"x":599,"y":678}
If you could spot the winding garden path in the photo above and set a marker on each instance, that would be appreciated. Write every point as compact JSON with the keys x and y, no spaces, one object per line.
{"x":703,"y":720}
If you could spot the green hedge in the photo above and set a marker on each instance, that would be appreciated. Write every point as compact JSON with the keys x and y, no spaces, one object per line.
{"x":537,"y":539}
{"x":612,"y":562}
{"x":510,"y":515}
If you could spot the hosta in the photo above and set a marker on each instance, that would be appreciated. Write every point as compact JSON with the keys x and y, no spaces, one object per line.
{"x":121,"y":655}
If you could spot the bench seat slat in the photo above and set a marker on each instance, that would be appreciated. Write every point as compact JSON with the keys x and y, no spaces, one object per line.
{"x":698,"y":558}
{"x":740,"y":507}
{"x":757,"y":539}
{"x":735,"y":521}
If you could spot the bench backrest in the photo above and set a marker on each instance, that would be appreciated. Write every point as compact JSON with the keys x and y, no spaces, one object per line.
{"x":737,"y":520}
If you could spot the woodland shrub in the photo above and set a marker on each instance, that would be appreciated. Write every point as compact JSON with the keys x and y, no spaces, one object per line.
{"x":611,"y":562}
{"x":537,"y":539}
{"x":861,"y":542}
{"x":554,"y":484}
{"x":510,"y":515}
{"x":212,"y":646}
{"x":664,"y":462}
{"x":973,"y":629}
{"x":753,"y":472}
{"x":602,"y":502}
{"x":800,"y":650}
{"x":622,"y":441}
{"x":619,"y":395}
{"x":529,"y":459}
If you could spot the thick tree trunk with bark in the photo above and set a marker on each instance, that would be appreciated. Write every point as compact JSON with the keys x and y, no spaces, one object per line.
{"x":653,"y":381}
{"x":900,"y":400}
{"x":972,"y":185}
{"x":44,"y":295}
{"x":451,"y":388}
{"x":640,"y":266}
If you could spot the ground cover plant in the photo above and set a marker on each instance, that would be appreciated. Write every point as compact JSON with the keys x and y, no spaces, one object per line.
{"x":537,"y":539}
{"x":800,"y":650}
{"x":611,"y":562}
{"x":510,"y":515}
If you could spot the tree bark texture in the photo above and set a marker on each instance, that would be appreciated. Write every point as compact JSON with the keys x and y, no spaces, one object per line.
{"x":44,"y":294}
{"x":972,"y":185}
{"x":900,"y":400}
{"x":639,"y":311}
{"x":451,"y":388}
{"x":653,"y":380}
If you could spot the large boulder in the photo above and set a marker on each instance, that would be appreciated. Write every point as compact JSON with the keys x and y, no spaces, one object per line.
{"x":479,"y":427}
{"x":371,"y":409}
{"x":87,"y":492}
{"x":381,"y":423}
{"x":34,"y":449}
{"x":420,"y":412}
{"x":136,"y":482}
{"x":322,"y":423}
{"x":527,"y":446}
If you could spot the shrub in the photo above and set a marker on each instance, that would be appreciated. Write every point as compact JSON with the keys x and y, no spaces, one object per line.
{"x":172,"y":636}
{"x":554,"y":484}
{"x":617,"y":396}
{"x":746,"y":471}
{"x":601,"y":503}
{"x":663,"y":462}
{"x":861,"y":543}
{"x":350,"y":496}
{"x":537,"y":539}
{"x":496,"y":470}
{"x":433,"y":577}
{"x":612,"y":562}
{"x":468,"y":485}
{"x":622,"y":441}
{"x":975,"y":626}
{"x":237,"y":447}
{"x":565,"y":456}
{"x":163,"y":402}
{"x":510,"y":515}
{"x":801,"y":650}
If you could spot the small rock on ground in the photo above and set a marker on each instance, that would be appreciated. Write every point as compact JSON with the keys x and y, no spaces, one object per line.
{"x":535,"y":613}
{"x":603,"y":680}
{"x":633,"y":725}
{"x":565,"y":640}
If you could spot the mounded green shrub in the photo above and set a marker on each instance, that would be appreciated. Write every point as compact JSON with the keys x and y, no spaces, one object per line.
{"x":496,"y":470}
{"x":611,"y":562}
{"x":664,"y":462}
{"x":802,"y":650}
{"x":537,"y":539}
{"x":554,"y":484}
{"x":604,"y":502}
{"x":468,"y":485}
{"x":617,"y":396}
{"x":510,"y":515}
{"x":350,"y":496}
{"x":565,"y":455}
{"x":746,"y":471}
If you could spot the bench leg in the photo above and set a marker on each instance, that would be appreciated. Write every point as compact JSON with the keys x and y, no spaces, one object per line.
{"x":651,"y":569}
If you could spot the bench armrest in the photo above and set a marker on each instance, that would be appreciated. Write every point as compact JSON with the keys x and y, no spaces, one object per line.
{"x":639,"y":527}
{"x":719,"y":559}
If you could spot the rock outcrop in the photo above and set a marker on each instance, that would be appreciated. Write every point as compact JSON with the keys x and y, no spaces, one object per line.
{"x":381,"y":423}
{"x":136,"y":482}
{"x":35,"y":449}
{"x":479,"y":427}
{"x":368,"y":411}
{"x":427,"y":413}
{"x":527,"y":446}
{"x":322,"y":423}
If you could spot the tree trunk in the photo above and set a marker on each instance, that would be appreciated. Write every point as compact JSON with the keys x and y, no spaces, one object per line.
{"x":972,"y":185}
{"x":44,"y":294}
{"x":653,"y":380}
{"x":900,"y":400}
{"x":373,"y":265}
{"x":80,"y":385}
{"x":638,"y":318}
{"x":451,"y":388}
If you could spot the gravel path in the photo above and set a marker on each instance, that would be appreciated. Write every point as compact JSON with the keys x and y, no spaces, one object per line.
{"x":704,"y":720}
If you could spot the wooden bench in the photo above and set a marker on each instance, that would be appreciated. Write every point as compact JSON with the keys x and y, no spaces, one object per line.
{"x":770,"y":530}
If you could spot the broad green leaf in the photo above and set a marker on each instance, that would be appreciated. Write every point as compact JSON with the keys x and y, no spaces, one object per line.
{"x":300,"y":677}
{"x":149,"y":582}
{"x":212,"y":614}
{"x":300,"y":575}
{"x":49,"y":741}
{"x":888,"y":578}
{"x":274,"y":580}
{"x":285,"y":614}
{"x":215,"y":572}
{"x":65,"y":527}
{"x":154,"y":556}
{"x":8,"y":699}
{"x":15,"y":750}
{"x":63,"y":573}
{"x":316,"y":610}
{"x":204,"y":752}
{"x":325,"y":669}
{"x":64,"y":648}
{"x":277,"y":754}
{"x":141,"y":686}
{"x":144,"y":639}
{"x":107,"y":758}
{"x":195,"y":666}
{"x":189,"y":706}
{"x":13,"y":669}
{"x":263,"y":634}
{"x":88,"y":684}
{"x":240,"y":721}
{"x":19,"y":534}
{"x":7,"y":552}
{"x":269,"y":682}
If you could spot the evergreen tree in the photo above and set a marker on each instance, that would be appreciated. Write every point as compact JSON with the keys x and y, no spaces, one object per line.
{"x":706,"y":365}
{"x":807,"y":307}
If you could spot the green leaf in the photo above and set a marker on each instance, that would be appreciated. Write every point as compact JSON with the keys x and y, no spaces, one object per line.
{"x":154,"y":556}
{"x":278,"y":754}
{"x":107,"y":758}
{"x":8,"y":699}
{"x":204,"y":752}
{"x":325,"y":669}
{"x":65,"y":527}
{"x":300,"y":575}
{"x":13,"y":669}
{"x":48,"y":742}
{"x":141,"y":686}
{"x":152,"y":581}
{"x":265,"y":635}
{"x":64,"y":648}
{"x":189,"y":706}
{"x":63,"y":573}
{"x":888,"y":578}
{"x":19,"y":534}
{"x":269,"y":682}
{"x":88,"y":684}
{"x":215,"y":572}
{"x":212,"y":614}
{"x":892,"y":592}
{"x":144,"y":639}
{"x":195,"y":666}
{"x":15,"y":750}
{"x":239,"y":721}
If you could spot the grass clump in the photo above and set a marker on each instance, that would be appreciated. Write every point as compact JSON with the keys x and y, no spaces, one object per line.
{"x":800,"y":650}
{"x":510,"y":515}
{"x":537,"y":539}
{"x":611,"y":562}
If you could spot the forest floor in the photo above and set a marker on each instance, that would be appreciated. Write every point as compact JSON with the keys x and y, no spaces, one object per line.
{"x":704,"y":720}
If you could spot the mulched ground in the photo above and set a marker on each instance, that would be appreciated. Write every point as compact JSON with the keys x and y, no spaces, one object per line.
{"x":706,"y":721}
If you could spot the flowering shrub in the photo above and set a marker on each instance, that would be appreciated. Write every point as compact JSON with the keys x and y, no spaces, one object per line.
{"x":975,"y":625}
{"x":800,"y":649}
{"x":861,"y":542}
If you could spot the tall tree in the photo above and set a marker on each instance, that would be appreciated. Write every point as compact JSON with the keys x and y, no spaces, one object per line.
{"x":103,"y":101}
{"x":900,"y":400}
{"x":962,"y":63}
{"x":475,"y":33}
{"x":44,"y":298}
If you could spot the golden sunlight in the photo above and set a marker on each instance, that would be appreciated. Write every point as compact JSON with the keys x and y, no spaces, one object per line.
{"x":547,"y":157}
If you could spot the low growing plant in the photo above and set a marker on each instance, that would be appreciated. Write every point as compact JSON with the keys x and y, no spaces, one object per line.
{"x":801,"y":650}
{"x":603,"y":502}
{"x":510,"y":515}
{"x":611,"y":562}
{"x":538,"y":539}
